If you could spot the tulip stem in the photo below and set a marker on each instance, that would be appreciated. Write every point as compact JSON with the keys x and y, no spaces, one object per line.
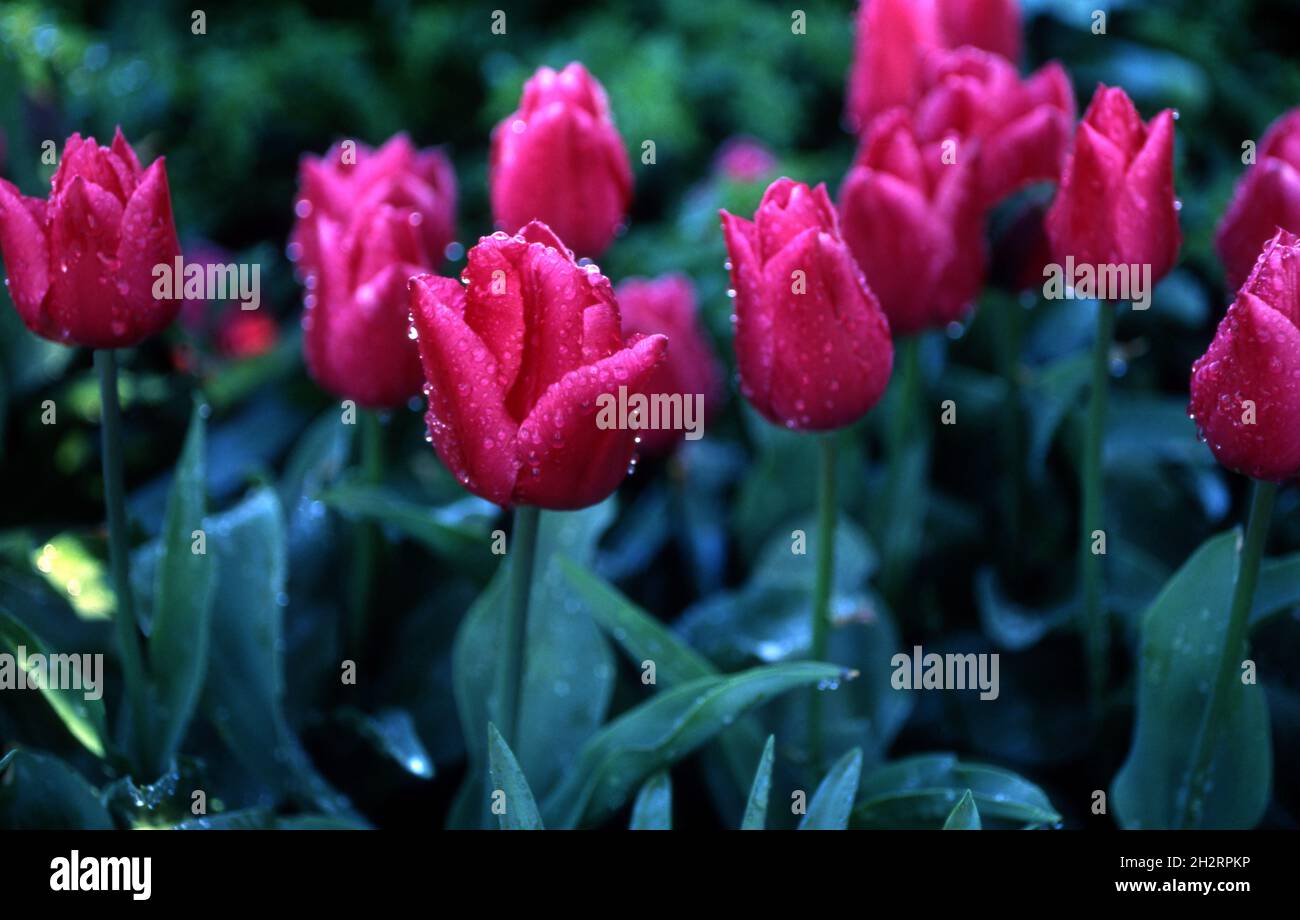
{"x":510,"y":666}
{"x":898,"y":536}
{"x":366,"y":536}
{"x":1090,"y":568}
{"x":129,"y":638}
{"x":1227,"y":682}
{"x":821,"y":603}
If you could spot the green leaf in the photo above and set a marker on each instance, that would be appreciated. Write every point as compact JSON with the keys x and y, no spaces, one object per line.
{"x":520,"y":813}
{"x":832,"y":803}
{"x":182,"y":602}
{"x":1052,"y":393}
{"x":392,"y":733}
{"x":41,"y":792}
{"x":1278,"y":589}
{"x":569,"y":667}
{"x":458,"y":532}
{"x":1182,"y":642}
{"x":663,"y":730}
{"x":965,"y":815}
{"x":756,"y":808}
{"x":243,"y":697}
{"x":640,"y":635}
{"x":653,"y":808}
{"x":920,"y":792}
{"x":83,"y":717}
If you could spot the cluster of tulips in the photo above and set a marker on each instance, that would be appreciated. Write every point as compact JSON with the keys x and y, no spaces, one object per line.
{"x":513,"y":355}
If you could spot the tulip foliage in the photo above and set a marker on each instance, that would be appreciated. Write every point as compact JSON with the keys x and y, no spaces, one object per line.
{"x":799,"y":427}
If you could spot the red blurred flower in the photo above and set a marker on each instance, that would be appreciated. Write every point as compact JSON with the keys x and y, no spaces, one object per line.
{"x":667,"y":305}
{"x":1115,"y":204}
{"x":1246,"y":387}
{"x":351,"y":176}
{"x":1267,"y":197}
{"x":895,"y":36}
{"x":914,"y":224}
{"x":560,"y":160}
{"x":80,"y":265}
{"x":357,"y":319}
{"x":812,"y":344}
{"x":743,"y":159}
{"x":514,"y":366}
{"x":1018,"y":130}
{"x":245,"y":333}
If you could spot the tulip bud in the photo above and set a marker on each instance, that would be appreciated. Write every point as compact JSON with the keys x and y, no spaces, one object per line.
{"x":1246,"y":387}
{"x":517,"y":367}
{"x":812,"y":343}
{"x":351,"y":177}
{"x":667,"y":305}
{"x":81,"y":264}
{"x":560,"y":160}
{"x":1267,"y":197}
{"x":912,"y":219}
{"x":356,"y":325}
{"x":894,"y":37}
{"x":1017,"y":130}
{"x":1115,"y":204}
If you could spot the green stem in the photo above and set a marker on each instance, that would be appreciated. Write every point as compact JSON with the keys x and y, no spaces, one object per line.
{"x":821,"y":605}
{"x":1090,"y":569}
{"x":901,"y":419}
{"x":1218,"y":705}
{"x":510,"y":666}
{"x":366,"y":535}
{"x":129,"y":638}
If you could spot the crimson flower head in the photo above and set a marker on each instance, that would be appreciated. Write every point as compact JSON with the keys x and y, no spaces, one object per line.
{"x":1267,"y":197}
{"x":559,"y":159}
{"x":352,"y":177}
{"x":1246,"y":387}
{"x":912,"y":219}
{"x":81,"y":264}
{"x":812,"y":343}
{"x":1115,"y":204}
{"x":516,"y":363}
{"x":356,"y":321}
{"x":1017,"y":130}
{"x":894,"y":38}
{"x":666,"y":305}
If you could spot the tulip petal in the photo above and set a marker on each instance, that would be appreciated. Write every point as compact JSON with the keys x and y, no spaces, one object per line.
{"x":754,"y":345}
{"x":563,"y":427}
{"x":467,"y":419}
{"x":148,"y":238}
{"x":1146,"y":219}
{"x":833,"y":351}
{"x":84,"y":236}
{"x":1077,"y":222}
{"x":26,"y":254}
{"x":1252,"y":368}
{"x":1267,"y":197}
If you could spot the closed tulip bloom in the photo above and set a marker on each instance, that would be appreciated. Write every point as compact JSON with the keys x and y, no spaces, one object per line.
{"x":812,"y":343}
{"x":519,"y":363}
{"x":80,"y":265}
{"x":666,"y":305}
{"x":914,"y":224}
{"x":1115,"y":204}
{"x":560,"y":160}
{"x":356,"y":325}
{"x":894,"y":37}
{"x":353,"y":177}
{"x":1246,"y":387}
{"x":1267,"y":197}
{"x":1018,"y":130}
